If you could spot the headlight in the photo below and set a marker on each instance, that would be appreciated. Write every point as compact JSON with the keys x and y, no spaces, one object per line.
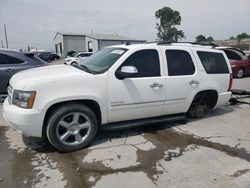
{"x":24,"y":99}
{"x":234,"y":66}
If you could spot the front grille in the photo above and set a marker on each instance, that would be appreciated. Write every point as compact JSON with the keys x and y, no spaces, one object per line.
{"x":10,"y":93}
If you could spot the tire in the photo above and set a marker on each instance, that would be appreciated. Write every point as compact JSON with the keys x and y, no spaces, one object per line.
{"x":240,"y":73}
{"x":197,"y":111}
{"x":71,"y":127}
{"x":73,"y":63}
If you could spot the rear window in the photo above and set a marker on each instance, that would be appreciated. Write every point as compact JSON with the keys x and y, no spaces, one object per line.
{"x":214,"y":63}
{"x":232,"y":55}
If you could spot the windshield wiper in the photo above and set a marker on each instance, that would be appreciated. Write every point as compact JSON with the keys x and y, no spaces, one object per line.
{"x":86,"y":69}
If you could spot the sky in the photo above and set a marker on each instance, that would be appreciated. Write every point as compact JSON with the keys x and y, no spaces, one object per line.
{"x":35,"y":22}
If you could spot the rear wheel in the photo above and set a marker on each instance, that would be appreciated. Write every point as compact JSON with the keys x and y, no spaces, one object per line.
{"x":72,"y":127}
{"x":198,"y":106}
{"x":197,"y":111}
{"x":240,"y":73}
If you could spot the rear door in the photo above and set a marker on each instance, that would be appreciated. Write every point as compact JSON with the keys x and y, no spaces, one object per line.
{"x":182,"y":79}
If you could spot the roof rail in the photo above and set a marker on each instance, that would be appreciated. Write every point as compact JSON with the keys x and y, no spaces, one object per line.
{"x":192,"y":43}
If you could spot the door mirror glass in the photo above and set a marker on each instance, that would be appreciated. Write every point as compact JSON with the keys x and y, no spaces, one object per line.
{"x":126,"y":72}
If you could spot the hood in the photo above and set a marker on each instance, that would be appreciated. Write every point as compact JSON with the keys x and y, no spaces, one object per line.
{"x":44,"y":74}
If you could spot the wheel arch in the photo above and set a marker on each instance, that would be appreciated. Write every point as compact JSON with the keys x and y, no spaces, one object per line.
{"x":210,"y":95}
{"x":92,"y":104}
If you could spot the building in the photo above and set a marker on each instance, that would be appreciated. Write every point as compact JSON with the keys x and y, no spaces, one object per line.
{"x":66,"y":42}
{"x":243,"y":44}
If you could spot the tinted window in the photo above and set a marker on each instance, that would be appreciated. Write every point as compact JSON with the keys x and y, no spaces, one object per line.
{"x":146,"y":61}
{"x":232,"y":55}
{"x":5,"y":59}
{"x":179,"y":63}
{"x":214,"y":63}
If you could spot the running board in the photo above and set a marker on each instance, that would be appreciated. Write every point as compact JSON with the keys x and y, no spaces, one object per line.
{"x":142,"y":122}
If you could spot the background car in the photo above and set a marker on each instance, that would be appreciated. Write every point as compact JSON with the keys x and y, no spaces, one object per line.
{"x":240,"y":62}
{"x":48,"y":56}
{"x":77,"y":57}
{"x":12,"y":62}
{"x":55,"y":56}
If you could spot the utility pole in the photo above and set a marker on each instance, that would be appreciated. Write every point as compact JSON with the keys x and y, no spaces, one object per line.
{"x":6,"y":39}
{"x":2,"y":43}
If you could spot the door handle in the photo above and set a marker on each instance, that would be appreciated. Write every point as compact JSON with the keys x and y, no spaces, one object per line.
{"x":194,"y":82}
{"x":156,"y":85}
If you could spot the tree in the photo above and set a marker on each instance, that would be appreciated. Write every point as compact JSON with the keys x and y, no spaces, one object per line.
{"x":168,"y":20}
{"x":232,"y":38}
{"x":203,"y":39}
{"x":200,"y":39}
{"x":242,"y":36}
{"x":210,"y":39}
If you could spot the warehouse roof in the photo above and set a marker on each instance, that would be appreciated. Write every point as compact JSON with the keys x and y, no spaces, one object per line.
{"x":100,"y":36}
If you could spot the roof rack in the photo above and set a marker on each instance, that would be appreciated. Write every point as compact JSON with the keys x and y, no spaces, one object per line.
{"x":192,"y":43}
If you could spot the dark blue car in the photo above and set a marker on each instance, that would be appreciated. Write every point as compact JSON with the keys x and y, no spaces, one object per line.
{"x":11,"y":62}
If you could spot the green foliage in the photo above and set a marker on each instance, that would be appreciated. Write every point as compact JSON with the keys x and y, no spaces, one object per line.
{"x":242,"y":36}
{"x":168,"y":20}
{"x":203,"y":39}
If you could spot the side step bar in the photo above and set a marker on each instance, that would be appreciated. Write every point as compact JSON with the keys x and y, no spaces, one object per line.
{"x":142,"y":122}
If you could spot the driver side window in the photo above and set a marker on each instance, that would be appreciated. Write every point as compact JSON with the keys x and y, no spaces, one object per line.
{"x":146,"y":61}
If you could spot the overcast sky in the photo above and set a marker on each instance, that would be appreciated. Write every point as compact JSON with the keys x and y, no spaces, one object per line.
{"x":35,"y":22}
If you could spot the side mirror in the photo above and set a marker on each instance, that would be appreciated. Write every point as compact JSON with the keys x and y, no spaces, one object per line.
{"x":126,"y":72}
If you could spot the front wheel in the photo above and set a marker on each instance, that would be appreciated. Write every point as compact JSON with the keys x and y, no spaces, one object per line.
{"x":240,"y":73}
{"x":72,"y":127}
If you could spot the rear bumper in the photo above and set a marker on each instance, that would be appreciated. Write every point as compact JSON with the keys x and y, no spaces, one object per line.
{"x":223,"y":98}
{"x":26,"y":121}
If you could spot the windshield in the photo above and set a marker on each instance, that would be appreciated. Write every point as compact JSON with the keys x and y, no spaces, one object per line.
{"x":102,"y":60}
{"x":76,"y":54}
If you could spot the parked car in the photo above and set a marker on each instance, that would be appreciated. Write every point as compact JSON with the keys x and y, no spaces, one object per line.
{"x":77,"y":57}
{"x":12,"y":62}
{"x":48,"y":56}
{"x":71,"y":53}
{"x":117,"y":87}
{"x":55,"y":56}
{"x":247,"y":52}
{"x":240,"y":62}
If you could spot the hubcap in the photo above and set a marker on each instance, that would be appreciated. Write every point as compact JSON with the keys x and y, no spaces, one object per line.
{"x":240,"y":73}
{"x":73,"y":129}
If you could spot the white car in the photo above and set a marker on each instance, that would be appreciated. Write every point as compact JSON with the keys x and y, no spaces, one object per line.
{"x":76,"y":58}
{"x":119,"y":86}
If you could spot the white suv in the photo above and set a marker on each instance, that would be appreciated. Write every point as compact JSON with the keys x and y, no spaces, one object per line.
{"x":76,"y":58}
{"x":120,"y":86}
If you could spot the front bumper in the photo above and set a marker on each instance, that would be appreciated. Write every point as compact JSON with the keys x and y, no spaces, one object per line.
{"x":26,"y":121}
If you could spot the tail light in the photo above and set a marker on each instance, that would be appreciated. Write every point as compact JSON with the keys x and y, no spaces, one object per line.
{"x":230,"y":83}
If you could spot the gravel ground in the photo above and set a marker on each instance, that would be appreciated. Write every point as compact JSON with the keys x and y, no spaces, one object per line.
{"x":210,"y":152}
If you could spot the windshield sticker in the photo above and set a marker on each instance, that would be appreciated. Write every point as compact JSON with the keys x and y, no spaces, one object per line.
{"x":117,"y":52}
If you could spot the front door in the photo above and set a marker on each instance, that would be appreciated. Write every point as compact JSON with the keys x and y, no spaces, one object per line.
{"x":141,"y":96}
